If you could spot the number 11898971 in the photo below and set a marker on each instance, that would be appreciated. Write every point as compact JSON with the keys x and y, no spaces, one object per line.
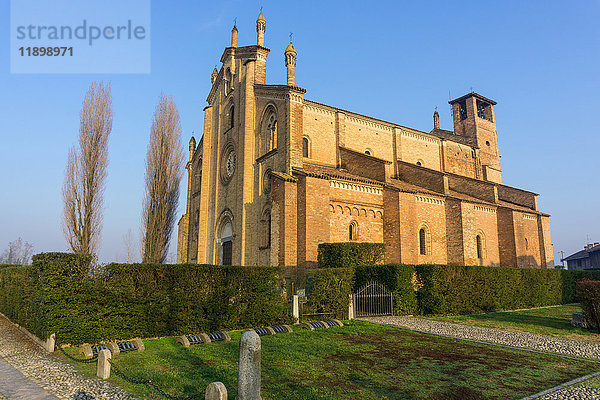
{"x":46,"y":51}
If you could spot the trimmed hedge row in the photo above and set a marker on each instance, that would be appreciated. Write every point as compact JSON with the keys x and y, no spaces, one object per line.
{"x":18,"y":298}
{"x":452,"y":290}
{"x":56,"y":295}
{"x":471,"y":289}
{"x":349,"y":254}
{"x":329,"y":289}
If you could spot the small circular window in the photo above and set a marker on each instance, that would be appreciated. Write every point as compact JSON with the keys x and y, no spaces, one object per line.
{"x":487,"y":142}
{"x":228,"y":164}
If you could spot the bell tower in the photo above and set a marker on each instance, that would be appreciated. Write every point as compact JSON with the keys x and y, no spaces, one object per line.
{"x":474,"y":119}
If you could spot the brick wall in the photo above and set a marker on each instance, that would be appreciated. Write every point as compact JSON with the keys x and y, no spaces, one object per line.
{"x":454,"y":232}
{"x":506,"y":237}
{"x":415,"y":147}
{"x":391,"y":225}
{"x":458,"y":159}
{"x":480,"y":220}
{"x":319,"y":127}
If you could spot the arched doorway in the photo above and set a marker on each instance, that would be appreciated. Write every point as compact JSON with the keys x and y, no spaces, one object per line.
{"x":226,"y":243}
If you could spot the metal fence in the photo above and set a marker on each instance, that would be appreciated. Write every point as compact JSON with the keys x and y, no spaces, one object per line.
{"x":373,"y":299}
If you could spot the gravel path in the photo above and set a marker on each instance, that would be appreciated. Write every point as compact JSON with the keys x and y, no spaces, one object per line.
{"x":54,"y":376}
{"x":572,"y":348}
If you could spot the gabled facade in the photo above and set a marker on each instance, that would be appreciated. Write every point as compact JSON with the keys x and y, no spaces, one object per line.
{"x":276,"y":174}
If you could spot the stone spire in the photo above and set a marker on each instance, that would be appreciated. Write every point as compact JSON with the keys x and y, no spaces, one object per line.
{"x":261,"y":27}
{"x":213,"y":77}
{"x":436,"y":120}
{"x":192,"y":147}
{"x":234,"y":34}
{"x":290,"y":63}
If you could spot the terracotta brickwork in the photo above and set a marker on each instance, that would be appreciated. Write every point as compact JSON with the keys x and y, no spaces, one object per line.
{"x":275,"y":174}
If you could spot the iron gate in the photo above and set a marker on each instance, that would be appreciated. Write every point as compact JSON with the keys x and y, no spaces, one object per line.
{"x":373,"y":299}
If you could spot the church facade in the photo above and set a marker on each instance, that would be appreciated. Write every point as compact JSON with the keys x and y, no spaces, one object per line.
{"x":275,"y":174}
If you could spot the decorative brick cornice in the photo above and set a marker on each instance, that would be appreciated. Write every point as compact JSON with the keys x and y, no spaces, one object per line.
{"x":267,"y":155}
{"x":284,"y":176}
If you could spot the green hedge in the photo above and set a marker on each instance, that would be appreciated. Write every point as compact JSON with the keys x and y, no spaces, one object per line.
{"x":18,"y":298}
{"x":349,"y":254}
{"x":328,"y":290}
{"x":451,"y":290}
{"x":471,"y":289}
{"x":588,"y":293}
{"x":57,"y":295}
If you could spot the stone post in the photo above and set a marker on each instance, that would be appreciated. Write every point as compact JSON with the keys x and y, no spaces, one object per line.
{"x":351,"y":308}
{"x":295,"y":309}
{"x":249,"y":367}
{"x":50,"y":343}
{"x":103,"y":370}
{"x":215,"y":391}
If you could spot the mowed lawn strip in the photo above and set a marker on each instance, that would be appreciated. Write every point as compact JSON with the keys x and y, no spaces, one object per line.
{"x":358,"y":361}
{"x":552,"y":321}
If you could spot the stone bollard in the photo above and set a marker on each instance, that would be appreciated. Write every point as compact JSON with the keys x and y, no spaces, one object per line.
{"x":215,"y":391}
{"x":50,"y":343}
{"x":103,"y":370}
{"x":249,"y":367}
{"x":351,"y":308}
{"x":295,"y":309}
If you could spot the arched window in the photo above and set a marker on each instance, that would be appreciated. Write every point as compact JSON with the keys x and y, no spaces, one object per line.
{"x":479,"y":243}
{"x":526,"y":244}
{"x":268,"y":135}
{"x":305,"y":147}
{"x":227,"y":81}
{"x":422,"y":244}
{"x":368,"y":152}
{"x":353,"y":231}
{"x":272,"y":131}
{"x":265,"y":228}
{"x":231,"y":116}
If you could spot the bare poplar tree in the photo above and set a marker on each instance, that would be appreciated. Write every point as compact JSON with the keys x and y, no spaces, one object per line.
{"x":86,"y":172}
{"x":164,"y":170}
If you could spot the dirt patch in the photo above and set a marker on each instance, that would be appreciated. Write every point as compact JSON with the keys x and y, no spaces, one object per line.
{"x":414,"y":346}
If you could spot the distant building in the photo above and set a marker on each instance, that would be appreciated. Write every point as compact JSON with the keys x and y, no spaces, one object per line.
{"x":275,"y":174}
{"x":588,"y":258}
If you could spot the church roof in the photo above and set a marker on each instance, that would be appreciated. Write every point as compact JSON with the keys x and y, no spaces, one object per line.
{"x":322,"y":171}
{"x":441,"y":133}
{"x":450,"y":135}
{"x":472,"y":94}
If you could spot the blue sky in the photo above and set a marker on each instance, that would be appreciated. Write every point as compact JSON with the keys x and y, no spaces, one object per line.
{"x":393,"y":60}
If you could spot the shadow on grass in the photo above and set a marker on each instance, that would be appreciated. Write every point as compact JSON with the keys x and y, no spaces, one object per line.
{"x":548,"y":322}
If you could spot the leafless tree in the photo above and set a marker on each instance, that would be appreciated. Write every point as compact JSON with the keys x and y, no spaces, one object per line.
{"x":18,"y":253}
{"x":164,"y":170}
{"x":86,"y":172}
{"x":128,"y":242}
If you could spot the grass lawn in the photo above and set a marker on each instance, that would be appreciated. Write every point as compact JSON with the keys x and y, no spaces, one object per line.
{"x":358,"y":361}
{"x":552,"y":321}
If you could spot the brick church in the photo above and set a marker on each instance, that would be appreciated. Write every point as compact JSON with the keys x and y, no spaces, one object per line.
{"x":275,"y":174}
